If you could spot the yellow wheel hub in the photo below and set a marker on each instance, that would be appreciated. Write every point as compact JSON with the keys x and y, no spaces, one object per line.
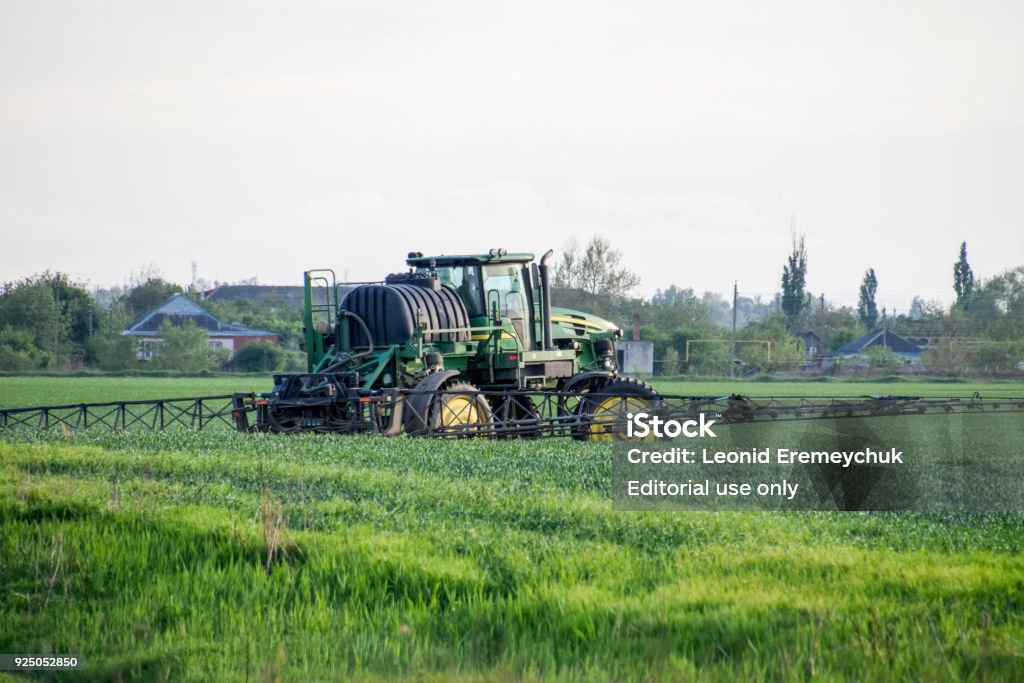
{"x":606,"y":423}
{"x":460,"y":410}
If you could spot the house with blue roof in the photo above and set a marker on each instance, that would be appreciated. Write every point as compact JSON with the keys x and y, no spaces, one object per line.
{"x":878,"y":338}
{"x":178,"y":310}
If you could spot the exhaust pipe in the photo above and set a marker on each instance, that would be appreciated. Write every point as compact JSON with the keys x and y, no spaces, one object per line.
{"x":545,"y":286}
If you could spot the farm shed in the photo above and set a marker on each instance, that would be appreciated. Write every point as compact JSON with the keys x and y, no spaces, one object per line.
{"x":636,"y":357}
{"x":813,"y":348}
{"x":178,"y":310}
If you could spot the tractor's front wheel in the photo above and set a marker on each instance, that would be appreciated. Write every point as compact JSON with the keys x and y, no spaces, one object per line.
{"x":604,"y":410}
{"x":460,"y":409}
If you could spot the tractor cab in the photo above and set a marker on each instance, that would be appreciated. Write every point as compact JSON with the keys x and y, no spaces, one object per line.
{"x":494,"y":287}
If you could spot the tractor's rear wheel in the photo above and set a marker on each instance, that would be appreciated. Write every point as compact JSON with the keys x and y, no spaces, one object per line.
{"x":604,"y":409}
{"x":460,"y":408}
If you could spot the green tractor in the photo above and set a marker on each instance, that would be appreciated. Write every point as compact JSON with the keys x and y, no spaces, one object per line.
{"x":462,"y":344}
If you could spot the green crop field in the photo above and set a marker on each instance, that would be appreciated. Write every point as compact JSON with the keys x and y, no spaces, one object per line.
{"x":222,"y":556}
{"x":19,"y":391}
{"x":22,"y":391}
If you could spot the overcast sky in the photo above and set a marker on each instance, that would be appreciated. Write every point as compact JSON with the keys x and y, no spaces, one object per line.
{"x":265,"y":138}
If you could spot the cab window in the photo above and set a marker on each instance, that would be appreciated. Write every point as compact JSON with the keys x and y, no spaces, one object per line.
{"x":503,"y":284}
{"x":466,"y":281}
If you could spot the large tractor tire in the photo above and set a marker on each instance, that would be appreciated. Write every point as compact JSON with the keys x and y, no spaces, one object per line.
{"x":604,"y":408}
{"x":441,"y":404}
{"x":460,"y":408}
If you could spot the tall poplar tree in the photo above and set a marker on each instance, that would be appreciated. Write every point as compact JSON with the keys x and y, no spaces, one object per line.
{"x":794,"y":280}
{"x":867,"y":309}
{"x":963,"y":277}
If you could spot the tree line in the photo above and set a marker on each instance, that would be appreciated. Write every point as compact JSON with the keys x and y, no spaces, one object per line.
{"x":981,"y":332}
{"x":49,"y":322}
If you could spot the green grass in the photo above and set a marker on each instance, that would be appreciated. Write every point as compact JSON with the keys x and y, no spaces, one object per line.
{"x":23,"y":391}
{"x":473,"y":561}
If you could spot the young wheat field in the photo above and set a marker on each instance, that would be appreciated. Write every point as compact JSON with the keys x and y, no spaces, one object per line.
{"x":221,"y":556}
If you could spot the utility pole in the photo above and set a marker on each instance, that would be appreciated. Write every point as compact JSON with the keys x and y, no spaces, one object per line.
{"x":56,"y":326}
{"x":732,"y":359}
{"x":92,"y":308}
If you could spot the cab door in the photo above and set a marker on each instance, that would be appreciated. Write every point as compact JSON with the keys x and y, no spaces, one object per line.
{"x":505,"y":290}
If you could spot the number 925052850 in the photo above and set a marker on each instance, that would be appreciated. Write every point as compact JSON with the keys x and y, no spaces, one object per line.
{"x":30,"y":662}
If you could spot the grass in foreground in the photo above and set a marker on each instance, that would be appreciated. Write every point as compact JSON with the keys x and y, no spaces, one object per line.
{"x":219,"y":556}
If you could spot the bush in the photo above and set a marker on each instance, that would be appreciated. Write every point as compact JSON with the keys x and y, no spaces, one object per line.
{"x":845,"y":335}
{"x":18,"y":352}
{"x":294,"y":361}
{"x":669,"y":362}
{"x":14,"y":360}
{"x":221,"y":360}
{"x":874,"y":362}
{"x":116,"y":353}
{"x":260,"y":357}
{"x":184,"y":348}
{"x":996,"y":357}
{"x":883,"y":359}
{"x":709,"y":359}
